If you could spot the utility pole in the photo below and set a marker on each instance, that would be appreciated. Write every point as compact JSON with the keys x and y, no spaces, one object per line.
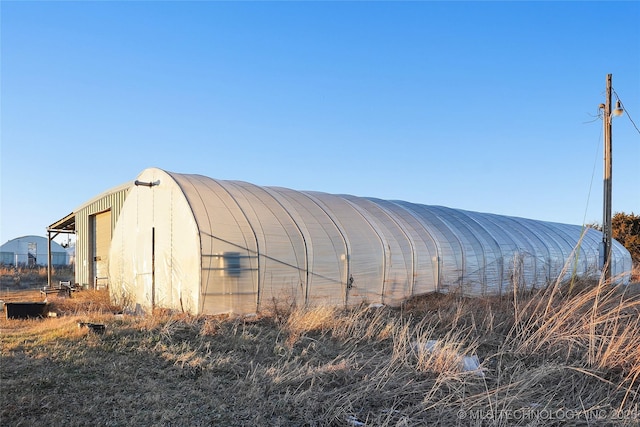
{"x":608,"y":114}
{"x":606,"y":221}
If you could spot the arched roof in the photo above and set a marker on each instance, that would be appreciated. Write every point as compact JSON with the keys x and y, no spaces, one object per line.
{"x":256,"y":243}
{"x":17,"y":244}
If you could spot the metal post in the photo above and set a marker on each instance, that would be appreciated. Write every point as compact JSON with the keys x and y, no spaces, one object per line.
{"x":153,"y":268}
{"x":48,"y":258}
{"x":606,"y":222}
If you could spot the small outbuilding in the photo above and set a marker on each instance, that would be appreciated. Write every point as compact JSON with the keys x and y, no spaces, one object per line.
{"x":92,"y":223}
{"x":208,"y":246}
{"x":32,"y":251}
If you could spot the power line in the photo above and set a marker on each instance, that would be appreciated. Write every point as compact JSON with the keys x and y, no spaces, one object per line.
{"x":593,"y":174}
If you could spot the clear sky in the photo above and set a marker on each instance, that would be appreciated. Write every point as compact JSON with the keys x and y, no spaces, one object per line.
{"x":484,"y":106}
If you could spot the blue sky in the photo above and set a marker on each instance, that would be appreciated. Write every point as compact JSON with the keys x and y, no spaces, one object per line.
{"x":484,"y":106}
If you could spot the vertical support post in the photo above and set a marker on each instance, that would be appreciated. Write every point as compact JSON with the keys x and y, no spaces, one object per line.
{"x":606,"y":221}
{"x":49,"y":259}
{"x":153,"y":268}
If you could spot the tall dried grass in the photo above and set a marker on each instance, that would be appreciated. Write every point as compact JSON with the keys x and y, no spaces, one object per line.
{"x":39,"y":271}
{"x":565,"y":355}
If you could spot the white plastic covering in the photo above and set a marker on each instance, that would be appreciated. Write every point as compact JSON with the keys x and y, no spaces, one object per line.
{"x":209,"y":246}
{"x":32,"y":249}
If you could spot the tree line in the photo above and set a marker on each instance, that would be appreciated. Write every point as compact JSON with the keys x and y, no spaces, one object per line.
{"x":625,"y":228}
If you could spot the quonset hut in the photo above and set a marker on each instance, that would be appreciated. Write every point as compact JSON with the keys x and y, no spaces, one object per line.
{"x":208,"y":246}
{"x":32,"y":251}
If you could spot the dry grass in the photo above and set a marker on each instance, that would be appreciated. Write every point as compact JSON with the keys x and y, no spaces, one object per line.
{"x":567,"y":355}
{"x":26,"y":277}
{"x":635,"y":273}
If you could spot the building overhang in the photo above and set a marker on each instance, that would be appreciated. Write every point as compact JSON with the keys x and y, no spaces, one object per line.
{"x":63,"y":225}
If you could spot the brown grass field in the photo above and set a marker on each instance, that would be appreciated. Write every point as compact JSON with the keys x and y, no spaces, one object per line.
{"x":568,"y":355}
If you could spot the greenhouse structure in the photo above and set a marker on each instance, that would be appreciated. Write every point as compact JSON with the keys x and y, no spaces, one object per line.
{"x":208,"y":246}
{"x":32,"y":251}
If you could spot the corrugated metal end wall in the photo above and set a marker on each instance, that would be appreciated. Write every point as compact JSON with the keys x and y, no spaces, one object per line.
{"x":87,"y":248}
